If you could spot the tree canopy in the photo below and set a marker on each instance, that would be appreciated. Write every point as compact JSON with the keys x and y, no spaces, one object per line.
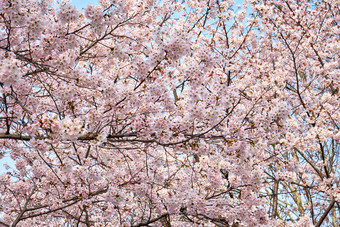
{"x":170,"y":113}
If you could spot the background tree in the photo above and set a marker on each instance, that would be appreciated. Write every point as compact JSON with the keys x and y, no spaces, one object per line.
{"x":304,"y":49}
{"x":170,"y":113}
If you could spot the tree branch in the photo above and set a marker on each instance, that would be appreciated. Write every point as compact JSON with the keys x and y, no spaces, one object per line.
{"x":82,"y":138}
{"x":326,"y":213}
{"x":151,"y":221}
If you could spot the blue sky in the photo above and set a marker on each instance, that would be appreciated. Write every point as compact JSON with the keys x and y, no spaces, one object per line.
{"x":83,"y":3}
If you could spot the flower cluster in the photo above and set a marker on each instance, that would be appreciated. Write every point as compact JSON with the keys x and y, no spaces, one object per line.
{"x":177,"y":48}
{"x":10,"y":72}
{"x":71,"y":128}
{"x":68,"y":13}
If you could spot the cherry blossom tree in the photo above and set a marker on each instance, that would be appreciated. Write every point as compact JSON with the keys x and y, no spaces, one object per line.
{"x":170,"y":113}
